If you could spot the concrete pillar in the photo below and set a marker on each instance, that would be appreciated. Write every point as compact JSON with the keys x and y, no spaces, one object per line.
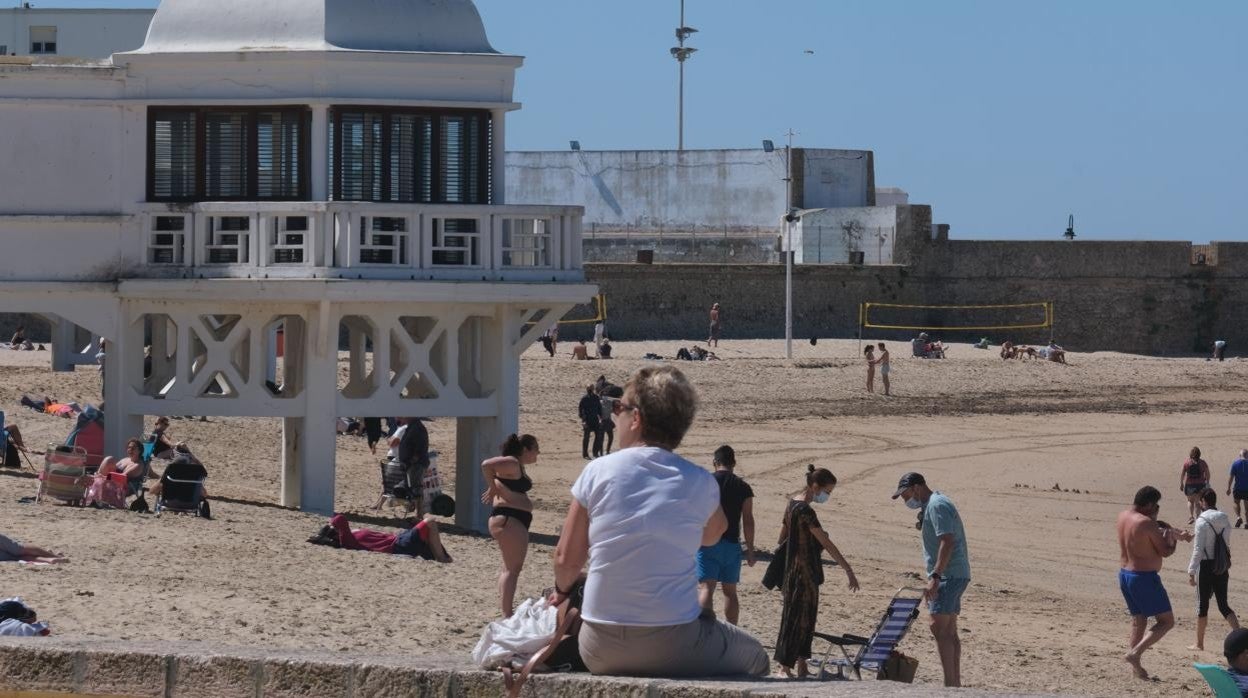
{"x":308,"y":442}
{"x":63,"y":345}
{"x":123,"y":368}
{"x":498,"y":156}
{"x":320,"y":153}
{"x":478,"y":438}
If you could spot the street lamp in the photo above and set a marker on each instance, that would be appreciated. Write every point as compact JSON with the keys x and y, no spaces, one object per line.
{"x":790,"y":217}
{"x":682,"y":53}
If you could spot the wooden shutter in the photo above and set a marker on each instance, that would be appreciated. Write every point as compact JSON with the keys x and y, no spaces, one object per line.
{"x":226,"y":155}
{"x":172,"y":156}
{"x":359,"y":145}
{"x":279,"y":162}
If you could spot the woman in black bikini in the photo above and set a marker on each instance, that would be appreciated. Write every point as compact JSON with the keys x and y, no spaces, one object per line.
{"x":507,"y":487}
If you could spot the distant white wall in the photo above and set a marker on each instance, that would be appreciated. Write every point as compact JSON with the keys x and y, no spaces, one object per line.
{"x":79,"y":33}
{"x":715,"y":190}
{"x":827,"y":236}
{"x":891,"y":196}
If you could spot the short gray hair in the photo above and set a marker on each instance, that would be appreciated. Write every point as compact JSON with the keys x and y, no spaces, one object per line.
{"x":667,"y":402}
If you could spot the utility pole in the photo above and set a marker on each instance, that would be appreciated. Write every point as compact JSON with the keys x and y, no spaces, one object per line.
{"x":681,"y":53}
{"x":788,"y":256}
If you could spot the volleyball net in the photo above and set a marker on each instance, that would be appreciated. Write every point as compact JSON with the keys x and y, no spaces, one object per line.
{"x":589,"y":313}
{"x":950,"y":318}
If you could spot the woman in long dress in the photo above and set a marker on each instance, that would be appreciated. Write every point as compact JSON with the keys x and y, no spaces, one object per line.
{"x":803,"y":572}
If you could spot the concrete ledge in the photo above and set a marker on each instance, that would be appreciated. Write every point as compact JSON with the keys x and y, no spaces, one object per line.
{"x":43,"y":666}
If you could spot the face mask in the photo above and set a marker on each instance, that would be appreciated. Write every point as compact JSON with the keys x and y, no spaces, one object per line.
{"x":821,"y":497}
{"x":914,"y":503}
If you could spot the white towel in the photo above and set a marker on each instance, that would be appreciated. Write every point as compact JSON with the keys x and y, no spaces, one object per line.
{"x":521,"y":636}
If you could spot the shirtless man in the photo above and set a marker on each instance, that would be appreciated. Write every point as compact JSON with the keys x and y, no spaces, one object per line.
{"x":713,"y":340}
{"x":1144,"y":542}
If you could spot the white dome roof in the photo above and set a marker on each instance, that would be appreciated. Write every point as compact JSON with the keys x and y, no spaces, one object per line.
{"x":440,"y":26}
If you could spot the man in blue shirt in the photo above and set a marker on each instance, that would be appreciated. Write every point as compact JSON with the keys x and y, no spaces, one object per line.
{"x":948,"y":567}
{"x":1235,"y":648}
{"x":1238,"y":483}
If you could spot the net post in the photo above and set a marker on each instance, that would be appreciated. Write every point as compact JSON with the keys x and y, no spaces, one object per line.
{"x":862,"y":313}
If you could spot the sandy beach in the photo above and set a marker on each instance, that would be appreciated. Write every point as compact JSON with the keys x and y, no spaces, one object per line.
{"x":1039,"y":458}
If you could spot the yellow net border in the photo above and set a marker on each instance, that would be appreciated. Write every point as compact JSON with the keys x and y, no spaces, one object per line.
{"x":600,"y":303}
{"x":864,"y":311}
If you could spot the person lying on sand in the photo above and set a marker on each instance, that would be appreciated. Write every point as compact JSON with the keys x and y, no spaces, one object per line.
{"x":421,"y":540}
{"x":14,"y":551}
{"x":19,"y":620}
{"x":49,"y":405}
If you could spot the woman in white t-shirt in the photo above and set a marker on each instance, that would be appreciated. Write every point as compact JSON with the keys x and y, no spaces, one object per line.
{"x":638,"y":517}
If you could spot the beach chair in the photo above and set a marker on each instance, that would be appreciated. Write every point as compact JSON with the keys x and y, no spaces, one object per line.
{"x":88,"y":434}
{"x":1219,"y":679}
{"x":181,"y":496}
{"x":8,"y":450}
{"x":65,"y":475}
{"x":873,"y":652}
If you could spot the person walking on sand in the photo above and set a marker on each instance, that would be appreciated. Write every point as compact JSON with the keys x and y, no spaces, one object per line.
{"x":805,"y":540}
{"x":1194,"y":479}
{"x":1205,"y":570}
{"x":1237,"y":485}
{"x":1143,"y":543}
{"x":884,"y":367}
{"x":713,"y":340}
{"x":869,"y":354}
{"x":721,"y":563}
{"x":948,"y":567}
{"x":590,"y":412}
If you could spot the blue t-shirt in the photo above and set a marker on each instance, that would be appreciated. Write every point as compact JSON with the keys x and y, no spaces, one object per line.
{"x":939,"y":518}
{"x":1241,"y":680}
{"x":1239,"y":471}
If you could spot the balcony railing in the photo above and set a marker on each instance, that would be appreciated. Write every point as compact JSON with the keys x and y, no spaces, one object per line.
{"x":362,"y":240}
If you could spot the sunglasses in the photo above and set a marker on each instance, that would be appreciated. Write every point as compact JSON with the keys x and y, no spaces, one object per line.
{"x":619,"y":406}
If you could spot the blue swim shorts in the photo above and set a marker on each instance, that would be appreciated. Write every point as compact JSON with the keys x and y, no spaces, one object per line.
{"x":720,"y":562}
{"x":949,"y":596}
{"x":1144,"y":593}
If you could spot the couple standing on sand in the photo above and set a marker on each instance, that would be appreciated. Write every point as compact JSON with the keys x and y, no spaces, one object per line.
{"x":872,"y":362}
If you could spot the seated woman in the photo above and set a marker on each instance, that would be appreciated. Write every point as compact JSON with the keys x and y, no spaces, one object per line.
{"x":164,"y":446}
{"x":638,"y":517}
{"x":421,"y":540}
{"x":15,"y":435}
{"x":132,"y":465}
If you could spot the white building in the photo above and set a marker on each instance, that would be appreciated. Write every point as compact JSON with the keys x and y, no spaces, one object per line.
{"x":314,"y":166}
{"x":73,"y":33}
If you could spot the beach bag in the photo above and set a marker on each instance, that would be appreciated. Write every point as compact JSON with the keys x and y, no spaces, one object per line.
{"x":898,"y":667}
{"x":106,"y":493}
{"x":773,"y":577}
{"x":1221,"y":554}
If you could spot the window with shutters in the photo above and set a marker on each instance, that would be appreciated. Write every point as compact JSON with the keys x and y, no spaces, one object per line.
{"x":410,"y":155}
{"x":228,"y":154}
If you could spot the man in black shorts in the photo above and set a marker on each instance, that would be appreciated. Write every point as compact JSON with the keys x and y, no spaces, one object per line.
{"x":1238,"y":484}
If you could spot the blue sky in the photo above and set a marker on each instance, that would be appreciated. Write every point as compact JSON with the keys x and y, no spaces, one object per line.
{"x":1004,"y":116}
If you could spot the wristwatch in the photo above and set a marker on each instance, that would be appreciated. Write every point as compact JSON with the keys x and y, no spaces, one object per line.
{"x":936,"y":576}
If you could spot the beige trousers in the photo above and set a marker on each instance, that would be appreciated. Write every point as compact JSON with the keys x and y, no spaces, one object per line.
{"x":703,"y":647}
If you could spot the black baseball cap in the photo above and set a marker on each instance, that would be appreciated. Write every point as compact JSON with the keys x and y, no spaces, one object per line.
{"x":1235,"y":643}
{"x":907,"y":481}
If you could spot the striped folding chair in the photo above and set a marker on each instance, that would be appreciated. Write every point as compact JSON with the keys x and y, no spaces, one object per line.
{"x":872,"y":652}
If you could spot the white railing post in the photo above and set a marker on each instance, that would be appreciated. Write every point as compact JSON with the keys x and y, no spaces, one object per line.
{"x":267,"y":230}
{"x":495,"y":245}
{"x":424,"y":237}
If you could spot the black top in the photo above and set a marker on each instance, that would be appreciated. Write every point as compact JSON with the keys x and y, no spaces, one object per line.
{"x":519,"y":485}
{"x":414,"y":446}
{"x":733,"y":491}
{"x":590,"y":411}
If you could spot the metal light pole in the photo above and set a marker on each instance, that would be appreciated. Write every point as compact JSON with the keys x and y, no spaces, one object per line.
{"x":788,"y":257}
{"x":681,"y":53}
